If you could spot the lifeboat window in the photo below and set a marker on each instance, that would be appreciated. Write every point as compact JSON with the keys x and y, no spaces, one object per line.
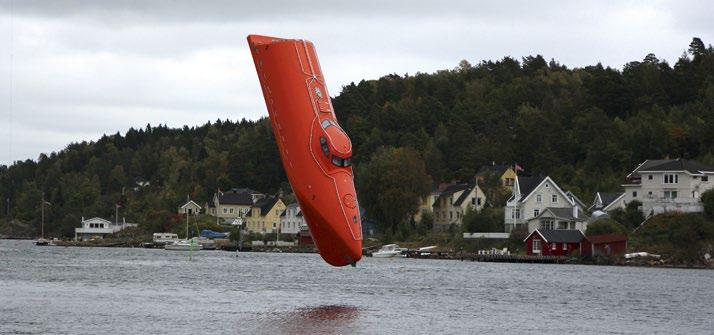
{"x":341,"y":162}
{"x":325,"y":148}
{"x":326,"y":123}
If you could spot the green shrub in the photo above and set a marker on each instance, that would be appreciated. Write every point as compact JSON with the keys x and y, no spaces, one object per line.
{"x":708,"y":202}
{"x":605,"y":226}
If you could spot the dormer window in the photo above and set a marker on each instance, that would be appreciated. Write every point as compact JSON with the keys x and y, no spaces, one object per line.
{"x":539,"y":198}
{"x":671,"y":178}
{"x":554,"y":199}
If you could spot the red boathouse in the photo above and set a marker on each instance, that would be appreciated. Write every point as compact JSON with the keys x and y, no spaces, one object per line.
{"x":604,"y":245}
{"x":553,"y":242}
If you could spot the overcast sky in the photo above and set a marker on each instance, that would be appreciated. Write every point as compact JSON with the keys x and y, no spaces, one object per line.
{"x":74,"y":70}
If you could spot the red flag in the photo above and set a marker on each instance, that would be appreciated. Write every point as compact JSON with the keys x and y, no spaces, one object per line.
{"x":519,"y":168}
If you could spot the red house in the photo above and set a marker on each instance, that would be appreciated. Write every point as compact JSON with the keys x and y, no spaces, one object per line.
{"x":305,"y":237}
{"x":603,"y":245}
{"x":553,"y":242}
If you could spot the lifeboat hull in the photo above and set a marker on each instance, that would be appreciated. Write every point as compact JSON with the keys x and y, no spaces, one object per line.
{"x":315,"y":151}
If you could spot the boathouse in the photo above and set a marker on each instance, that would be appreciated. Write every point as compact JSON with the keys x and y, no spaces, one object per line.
{"x":553,"y":242}
{"x":604,"y":245}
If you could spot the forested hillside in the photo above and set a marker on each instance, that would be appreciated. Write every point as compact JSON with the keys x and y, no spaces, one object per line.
{"x":585,"y":127}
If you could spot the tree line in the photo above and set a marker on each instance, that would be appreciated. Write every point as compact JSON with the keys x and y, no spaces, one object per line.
{"x":585,"y":127}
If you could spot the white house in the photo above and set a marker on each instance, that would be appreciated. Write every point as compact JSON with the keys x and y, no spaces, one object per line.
{"x":541,"y":201}
{"x":291,"y":220}
{"x":452,"y":204}
{"x":668,"y":185}
{"x":190,"y":208}
{"x":98,"y":228}
{"x":553,"y":218}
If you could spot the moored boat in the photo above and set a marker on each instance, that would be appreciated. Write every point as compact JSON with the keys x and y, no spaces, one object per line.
{"x":388,"y":251}
{"x":184,"y":245}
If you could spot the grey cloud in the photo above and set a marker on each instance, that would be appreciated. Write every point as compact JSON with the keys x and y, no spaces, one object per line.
{"x":84,"y":68}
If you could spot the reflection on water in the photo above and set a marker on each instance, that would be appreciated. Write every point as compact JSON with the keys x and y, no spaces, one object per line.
{"x":326,"y":319}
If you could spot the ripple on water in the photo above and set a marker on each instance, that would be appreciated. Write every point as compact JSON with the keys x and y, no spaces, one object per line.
{"x":109,"y":291}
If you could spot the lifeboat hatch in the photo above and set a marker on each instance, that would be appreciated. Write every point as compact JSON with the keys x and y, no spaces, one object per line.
{"x":349,"y":200}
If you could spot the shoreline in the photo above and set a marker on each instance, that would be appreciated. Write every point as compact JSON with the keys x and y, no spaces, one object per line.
{"x":444,"y":256}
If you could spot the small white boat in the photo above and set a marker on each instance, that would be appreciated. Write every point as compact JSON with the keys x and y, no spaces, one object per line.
{"x":642,"y":254}
{"x":43,"y":241}
{"x":164,"y":238}
{"x":184,"y":245}
{"x":387,"y":251}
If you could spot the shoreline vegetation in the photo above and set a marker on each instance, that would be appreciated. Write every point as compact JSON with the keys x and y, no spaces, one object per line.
{"x":585,"y":127}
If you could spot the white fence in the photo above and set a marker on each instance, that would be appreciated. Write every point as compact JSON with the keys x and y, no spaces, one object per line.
{"x":486,"y":235}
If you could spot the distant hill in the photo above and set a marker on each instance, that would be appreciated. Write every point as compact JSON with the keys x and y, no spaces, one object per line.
{"x":585,"y":127}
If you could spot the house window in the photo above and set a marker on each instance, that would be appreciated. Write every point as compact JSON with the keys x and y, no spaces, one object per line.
{"x":547,"y":185}
{"x":705,"y":178}
{"x":225,"y":210}
{"x":536,"y":212}
{"x":473,"y":201}
{"x":634,"y":194}
{"x":649,"y":177}
{"x":671,"y":178}
{"x":572,"y":225}
{"x":536,"y":246}
{"x":478,"y":201}
{"x":546,"y":224}
{"x":565,"y":246}
{"x":518,"y":213}
{"x":231,"y":210}
{"x":554,"y":198}
{"x":539,"y":198}
{"x":670,"y":194}
{"x":451,"y":215}
{"x":554,"y":246}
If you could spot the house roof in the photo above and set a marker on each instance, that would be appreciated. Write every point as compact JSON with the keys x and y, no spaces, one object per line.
{"x":673,"y":165}
{"x":97,"y":219}
{"x":265,"y":204}
{"x":464,"y":195}
{"x":576,"y":199}
{"x":608,"y":198}
{"x":494,"y":168}
{"x":290,"y":206}
{"x":451,"y":189}
{"x":559,"y":235}
{"x":528,"y":184}
{"x":231,"y":198}
{"x":191,"y":202}
{"x":606,"y":238}
{"x":564,"y":213}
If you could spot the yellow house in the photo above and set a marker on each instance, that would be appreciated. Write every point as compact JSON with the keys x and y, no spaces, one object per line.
{"x":506,"y":173}
{"x":234,"y":203}
{"x":264,"y":216}
{"x":454,"y":202}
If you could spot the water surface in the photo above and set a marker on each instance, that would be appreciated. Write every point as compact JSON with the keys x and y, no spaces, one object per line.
{"x":58,"y":290}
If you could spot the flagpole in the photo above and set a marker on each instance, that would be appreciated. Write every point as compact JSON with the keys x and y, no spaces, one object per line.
{"x":42,"y":234}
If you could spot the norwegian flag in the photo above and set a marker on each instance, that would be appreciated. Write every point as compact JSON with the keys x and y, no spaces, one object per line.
{"x":519,"y":168}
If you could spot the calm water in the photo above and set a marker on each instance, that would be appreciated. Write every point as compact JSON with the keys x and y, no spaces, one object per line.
{"x":131,"y":291}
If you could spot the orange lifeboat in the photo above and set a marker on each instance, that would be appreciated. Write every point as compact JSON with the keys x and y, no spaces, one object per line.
{"x":315,"y":151}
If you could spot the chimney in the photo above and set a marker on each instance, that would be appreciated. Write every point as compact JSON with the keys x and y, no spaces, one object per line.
{"x":575,"y":212}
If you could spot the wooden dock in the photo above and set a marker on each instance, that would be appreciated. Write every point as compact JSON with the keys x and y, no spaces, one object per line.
{"x":515,"y":258}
